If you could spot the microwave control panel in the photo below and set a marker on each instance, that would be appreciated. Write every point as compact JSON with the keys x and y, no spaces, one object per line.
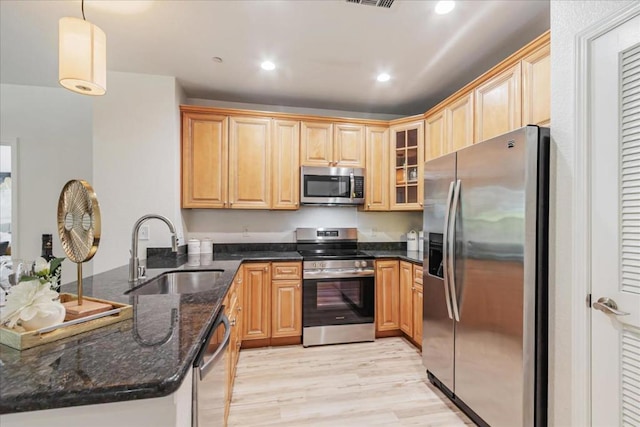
{"x":358,"y":190}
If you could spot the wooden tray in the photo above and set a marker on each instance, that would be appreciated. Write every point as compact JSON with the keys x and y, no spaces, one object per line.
{"x":20,"y":339}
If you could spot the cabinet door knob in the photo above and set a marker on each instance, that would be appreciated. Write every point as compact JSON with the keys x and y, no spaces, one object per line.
{"x":239,"y":308}
{"x":298,"y":286}
{"x":266,"y":269}
{"x":233,"y":322}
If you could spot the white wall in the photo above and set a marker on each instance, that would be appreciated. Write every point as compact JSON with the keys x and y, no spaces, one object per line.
{"x":53,"y":127}
{"x":568,"y":18}
{"x":136,"y":158}
{"x":294,"y":110}
{"x":227,"y":226}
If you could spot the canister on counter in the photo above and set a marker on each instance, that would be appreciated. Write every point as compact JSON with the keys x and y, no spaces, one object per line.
{"x":193,"y":247}
{"x":412,"y":241}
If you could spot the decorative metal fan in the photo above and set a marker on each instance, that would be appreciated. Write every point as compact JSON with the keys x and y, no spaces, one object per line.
{"x":79,"y":224}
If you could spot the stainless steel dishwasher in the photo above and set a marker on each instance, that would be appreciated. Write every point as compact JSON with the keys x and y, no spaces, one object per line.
{"x":210,"y":376}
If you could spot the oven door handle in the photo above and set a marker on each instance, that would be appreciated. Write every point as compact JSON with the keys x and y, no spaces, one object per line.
{"x":337,"y":275}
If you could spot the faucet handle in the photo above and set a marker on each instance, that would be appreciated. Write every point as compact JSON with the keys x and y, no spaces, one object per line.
{"x":142,"y":271}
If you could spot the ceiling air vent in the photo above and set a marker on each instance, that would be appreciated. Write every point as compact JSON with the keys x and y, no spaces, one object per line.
{"x":379,"y":3}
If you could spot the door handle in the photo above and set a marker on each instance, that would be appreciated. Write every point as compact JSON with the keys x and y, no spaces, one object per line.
{"x":352,"y":183}
{"x":608,"y":306}
{"x":445,"y":252}
{"x":451,"y":248}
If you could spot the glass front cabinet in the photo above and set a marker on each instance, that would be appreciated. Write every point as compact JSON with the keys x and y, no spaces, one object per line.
{"x":407,"y":158}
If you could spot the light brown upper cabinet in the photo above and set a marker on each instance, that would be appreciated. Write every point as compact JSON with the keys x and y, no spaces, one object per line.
{"x":536,"y":88}
{"x":335,"y":145}
{"x":377,"y":171}
{"x":498,"y":104}
{"x":316,"y":144}
{"x":459,"y":120}
{"x":450,"y":128}
{"x":204,"y":160}
{"x":285,"y":173}
{"x":407,"y":157}
{"x":249,"y":163}
{"x":349,"y":145}
{"x":435,"y":135}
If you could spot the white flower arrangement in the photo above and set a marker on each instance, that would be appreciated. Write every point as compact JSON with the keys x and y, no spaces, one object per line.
{"x":32,"y":302}
{"x":48,"y":271}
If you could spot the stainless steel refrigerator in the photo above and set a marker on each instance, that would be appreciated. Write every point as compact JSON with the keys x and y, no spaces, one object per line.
{"x":485,"y":277}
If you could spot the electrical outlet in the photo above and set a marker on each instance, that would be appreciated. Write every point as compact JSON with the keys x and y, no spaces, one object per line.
{"x":245,"y":231}
{"x":144,"y":233}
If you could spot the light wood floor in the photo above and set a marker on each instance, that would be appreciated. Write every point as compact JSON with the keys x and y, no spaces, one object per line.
{"x":382,"y":383}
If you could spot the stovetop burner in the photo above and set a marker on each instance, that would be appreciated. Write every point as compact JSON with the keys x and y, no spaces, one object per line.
{"x":315,"y":244}
{"x":315,"y":255}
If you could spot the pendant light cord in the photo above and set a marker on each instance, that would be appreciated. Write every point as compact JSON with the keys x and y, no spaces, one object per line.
{"x":83,"y":10}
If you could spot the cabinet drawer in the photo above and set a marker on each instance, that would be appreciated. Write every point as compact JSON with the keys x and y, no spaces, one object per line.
{"x":286,"y":270}
{"x":417,"y":275}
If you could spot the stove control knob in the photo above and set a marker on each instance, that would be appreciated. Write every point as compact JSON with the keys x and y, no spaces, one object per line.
{"x":315,"y":265}
{"x":356,"y":264}
{"x":363,"y":263}
{"x":324,"y":265}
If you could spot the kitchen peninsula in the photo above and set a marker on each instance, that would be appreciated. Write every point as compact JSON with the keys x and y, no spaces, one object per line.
{"x":119,"y":362}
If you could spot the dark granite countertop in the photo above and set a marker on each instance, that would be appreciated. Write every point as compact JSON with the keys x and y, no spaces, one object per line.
{"x":260,"y":256}
{"x":120,"y":362}
{"x":411,"y":256}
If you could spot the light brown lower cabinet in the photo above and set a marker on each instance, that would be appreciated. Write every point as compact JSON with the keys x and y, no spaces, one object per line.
{"x":286,"y":304}
{"x":233,"y":310}
{"x":387,"y":296}
{"x":257,"y":301}
{"x":406,"y":298}
{"x":272,"y":302}
{"x":417,"y":305}
{"x":399,"y":296}
{"x":417,"y":314}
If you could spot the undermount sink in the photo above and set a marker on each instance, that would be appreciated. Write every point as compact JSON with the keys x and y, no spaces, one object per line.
{"x":179,"y":282}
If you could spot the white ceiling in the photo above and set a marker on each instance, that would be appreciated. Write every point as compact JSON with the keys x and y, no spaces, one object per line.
{"x":328,"y":52}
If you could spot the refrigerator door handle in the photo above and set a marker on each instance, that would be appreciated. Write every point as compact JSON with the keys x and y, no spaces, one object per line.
{"x":445,"y":252}
{"x":451,"y":247}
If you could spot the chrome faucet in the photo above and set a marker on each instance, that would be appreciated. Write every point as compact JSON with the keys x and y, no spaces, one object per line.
{"x":136,"y":271}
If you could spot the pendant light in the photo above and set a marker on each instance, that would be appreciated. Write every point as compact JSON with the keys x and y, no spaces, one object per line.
{"x":82,"y":56}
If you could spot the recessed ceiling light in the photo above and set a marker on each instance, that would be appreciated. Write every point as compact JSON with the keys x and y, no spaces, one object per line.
{"x":445,"y":6}
{"x":217,"y":59}
{"x":383,"y":77}
{"x":268,"y":65}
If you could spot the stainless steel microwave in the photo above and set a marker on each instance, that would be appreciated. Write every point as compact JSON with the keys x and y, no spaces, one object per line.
{"x":331,"y":186}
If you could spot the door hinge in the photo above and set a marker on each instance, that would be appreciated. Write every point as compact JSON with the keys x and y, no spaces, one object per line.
{"x":588,"y":300}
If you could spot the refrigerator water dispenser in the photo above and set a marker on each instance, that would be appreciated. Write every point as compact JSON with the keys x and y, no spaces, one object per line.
{"x":435,"y":254}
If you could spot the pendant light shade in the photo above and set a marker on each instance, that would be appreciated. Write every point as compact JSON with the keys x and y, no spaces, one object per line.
{"x":82,"y":57}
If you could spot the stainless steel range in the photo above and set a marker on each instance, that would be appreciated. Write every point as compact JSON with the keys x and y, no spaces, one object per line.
{"x":338,"y":289}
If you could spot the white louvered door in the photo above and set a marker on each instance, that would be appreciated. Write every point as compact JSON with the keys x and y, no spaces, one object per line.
{"x":615,"y":226}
